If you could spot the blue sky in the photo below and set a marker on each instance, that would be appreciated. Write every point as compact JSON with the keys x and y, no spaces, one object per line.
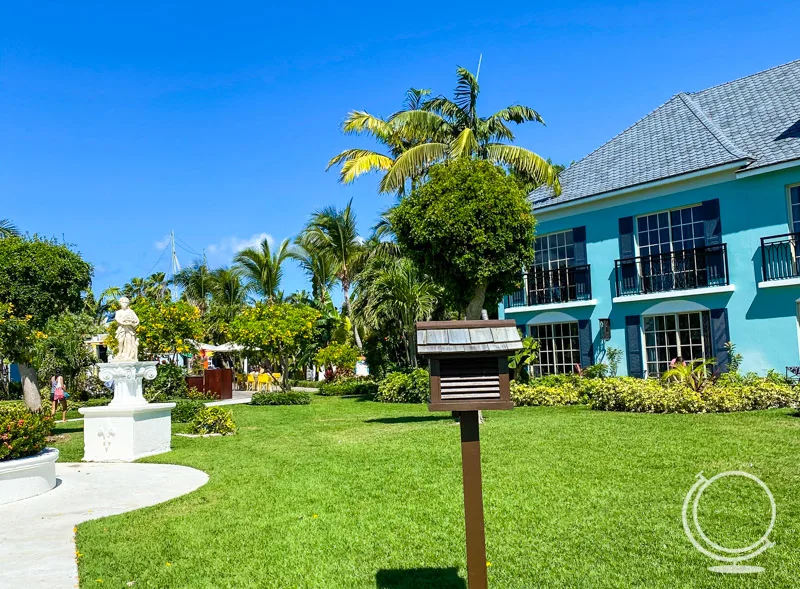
{"x":120,"y":124}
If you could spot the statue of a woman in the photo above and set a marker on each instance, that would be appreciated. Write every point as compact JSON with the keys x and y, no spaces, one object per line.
{"x":127,"y":322}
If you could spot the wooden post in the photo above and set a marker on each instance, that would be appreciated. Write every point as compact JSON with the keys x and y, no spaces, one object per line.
{"x":473,"y":500}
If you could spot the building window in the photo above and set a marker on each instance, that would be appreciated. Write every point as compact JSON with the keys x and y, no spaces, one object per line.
{"x":671,"y":231}
{"x":794,"y":208}
{"x":556,"y":250}
{"x":559,"y":348}
{"x":677,"y":335}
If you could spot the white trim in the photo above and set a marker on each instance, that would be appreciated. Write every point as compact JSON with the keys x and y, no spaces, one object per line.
{"x":783,"y":282}
{"x":766,"y":169}
{"x":551,"y":317}
{"x":543,"y":213}
{"x":552,"y":306}
{"x":674,"y":306}
{"x":674,"y":294}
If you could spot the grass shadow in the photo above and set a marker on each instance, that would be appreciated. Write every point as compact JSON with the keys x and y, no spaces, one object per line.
{"x":410,"y":419}
{"x":67,"y":428}
{"x":416,"y":578}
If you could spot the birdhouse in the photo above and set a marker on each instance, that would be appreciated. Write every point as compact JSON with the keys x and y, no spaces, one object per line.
{"x":468,"y":363}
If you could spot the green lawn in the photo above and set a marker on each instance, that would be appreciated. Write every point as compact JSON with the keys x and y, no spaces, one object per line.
{"x":346,"y":493}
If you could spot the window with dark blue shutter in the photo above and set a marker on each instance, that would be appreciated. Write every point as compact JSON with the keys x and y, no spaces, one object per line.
{"x":633,"y":346}
{"x":720,"y":335}
{"x":585,"y":335}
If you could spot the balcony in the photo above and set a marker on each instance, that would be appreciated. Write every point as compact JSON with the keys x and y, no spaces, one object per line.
{"x":698,"y":268}
{"x":779,"y":257}
{"x":552,"y":287}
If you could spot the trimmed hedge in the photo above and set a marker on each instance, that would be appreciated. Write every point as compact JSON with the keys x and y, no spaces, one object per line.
{"x":405,"y":387}
{"x":186,"y":409}
{"x":288,"y":398}
{"x":23,"y":433}
{"x":338,"y":388}
{"x":213,"y":420}
{"x":306,"y":384}
{"x":533,"y":394}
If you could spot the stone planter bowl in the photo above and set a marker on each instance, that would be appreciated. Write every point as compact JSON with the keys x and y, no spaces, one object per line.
{"x":27,"y":477}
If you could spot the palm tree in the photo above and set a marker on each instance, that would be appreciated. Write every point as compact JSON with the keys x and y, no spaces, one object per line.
{"x":195,"y":280}
{"x":135,"y":289}
{"x":318,"y":266}
{"x":332,"y":232}
{"x":228,"y":298}
{"x":8,"y":229}
{"x":157,"y":287}
{"x":262,"y":269}
{"x":451,"y":129}
{"x":100,"y":308}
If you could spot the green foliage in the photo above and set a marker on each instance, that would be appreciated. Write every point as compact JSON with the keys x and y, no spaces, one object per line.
{"x":197,"y":395}
{"x":75,"y":404}
{"x":696,"y":375}
{"x":170,"y":382}
{"x":350,"y":386}
{"x":287,"y":398}
{"x":306,"y":384}
{"x":613,"y":357}
{"x":62,"y":346}
{"x":599,"y":370}
{"x":164,"y":327}
{"x":470,"y":228}
{"x":343,"y":356}
{"x":213,"y":420}
{"x":405,"y":387}
{"x":186,"y":410}
{"x":23,"y":433}
{"x":523,"y":358}
{"x":17,"y":336}
{"x":41,"y":278}
{"x":536,"y":393}
{"x":734,"y":358}
{"x":10,"y":390}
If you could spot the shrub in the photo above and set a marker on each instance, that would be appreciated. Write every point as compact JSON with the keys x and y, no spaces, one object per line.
{"x":342,"y":356}
{"x":404,"y":387}
{"x":23,"y":433}
{"x":97,"y":402}
{"x":307,"y":384}
{"x":352,"y":386}
{"x":186,"y":409}
{"x":535,"y":394}
{"x":170,"y":381}
{"x":196,"y":394}
{"x":213,"y":420}
{"x":11,"y":391}
{"x":289,"y":398}
{"x":644,"y":396}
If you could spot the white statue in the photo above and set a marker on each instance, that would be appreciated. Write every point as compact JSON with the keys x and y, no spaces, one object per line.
{"x":127,"y":322}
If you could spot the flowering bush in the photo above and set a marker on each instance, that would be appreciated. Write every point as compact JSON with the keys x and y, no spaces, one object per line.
{"x":23,"y":433}
{"x":164,"y":327}
{"x":213,"y":420}
{"x":342,"y":356}
{"x":404,"y":387}
{"x":535,"y":394}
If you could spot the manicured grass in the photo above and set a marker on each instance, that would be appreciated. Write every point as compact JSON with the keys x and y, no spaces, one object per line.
{"x":348,"y":493}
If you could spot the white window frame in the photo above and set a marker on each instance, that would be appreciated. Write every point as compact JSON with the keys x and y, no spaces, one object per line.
{"x":548,"y":235}
{"x":571,"y":350}
{"x":654,"y":312}
{"x":668,"y":211}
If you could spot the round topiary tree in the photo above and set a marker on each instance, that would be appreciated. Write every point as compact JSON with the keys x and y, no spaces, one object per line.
{"x":471,"y":228}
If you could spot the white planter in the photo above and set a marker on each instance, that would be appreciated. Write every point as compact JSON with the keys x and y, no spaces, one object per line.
{"x":126,"y":433}
{"x":27,"y":477}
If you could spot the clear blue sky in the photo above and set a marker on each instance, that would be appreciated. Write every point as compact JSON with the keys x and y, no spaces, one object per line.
{"x":118,"y":125}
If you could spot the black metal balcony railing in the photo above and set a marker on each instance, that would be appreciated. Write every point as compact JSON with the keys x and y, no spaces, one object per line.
{"x":559,"y":285}
{"x":779,"y":256}
{"x":680,"y":270}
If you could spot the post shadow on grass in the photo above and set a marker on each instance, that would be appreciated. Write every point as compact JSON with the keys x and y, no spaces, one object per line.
{"x":409,"y":419}
{"x":67,"y":429}
{"x":442,"y":578}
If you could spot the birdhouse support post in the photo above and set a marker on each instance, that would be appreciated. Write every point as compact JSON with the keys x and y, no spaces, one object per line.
{"x":473,"y":500}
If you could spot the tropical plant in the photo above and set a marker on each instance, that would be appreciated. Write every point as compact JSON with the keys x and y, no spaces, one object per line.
{"x":8,"y":229}
{"x":195,"y":282}
{"x":614,"y":357}
{"x":318,"y":265}
{"x":341,"y":356}
{"x":154,"y":287}
{"x":62,"y":346}
{"x":470,"y":228}
{"x":262,"y":269}
{"x":228,"y":298}
{"x":524,"y":358}
{"x":734,"y":358}
{"x":213,"y":420}
{"x":100,"y":308}
{"x":434,"y":130}
{"x":696,"y":375}
{"x":332,"y":233}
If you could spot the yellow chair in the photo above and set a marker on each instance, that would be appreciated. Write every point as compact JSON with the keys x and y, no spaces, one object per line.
{"x":263,"y":381}
{"x":251,"y":382}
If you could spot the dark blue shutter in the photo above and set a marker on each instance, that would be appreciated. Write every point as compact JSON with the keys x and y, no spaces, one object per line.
{"x":633,"y":346}
{"x":585,"y":339}
{"x":581,"y":278}
{"x":626,"y":272}
{"x":720,"y":335}
{"x":714,"y":257}
{"x":523,"y":329}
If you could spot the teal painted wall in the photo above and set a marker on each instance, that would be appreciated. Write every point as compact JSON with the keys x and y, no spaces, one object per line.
{"x":762,"y":322}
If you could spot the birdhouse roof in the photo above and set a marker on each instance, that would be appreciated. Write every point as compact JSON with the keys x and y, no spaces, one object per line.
{"x":459,"y":337}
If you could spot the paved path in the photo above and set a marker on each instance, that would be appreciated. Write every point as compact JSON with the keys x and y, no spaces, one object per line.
{"x":37,"y":545}
{"x":239,"y":398}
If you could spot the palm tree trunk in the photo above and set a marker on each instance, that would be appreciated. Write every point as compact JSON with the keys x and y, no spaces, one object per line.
{"x":346,"y":293}
{"x":30,"y":387}
{"x":475,"y":306}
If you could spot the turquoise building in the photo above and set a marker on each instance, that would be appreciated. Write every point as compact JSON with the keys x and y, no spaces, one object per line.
{"x":678,"y":235}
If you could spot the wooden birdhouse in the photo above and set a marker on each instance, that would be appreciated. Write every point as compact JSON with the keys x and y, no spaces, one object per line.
{"x":468,"y":363}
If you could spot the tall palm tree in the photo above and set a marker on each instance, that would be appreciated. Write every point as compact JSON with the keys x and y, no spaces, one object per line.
{"x":158,"y":287}
{"x":101,"y":307}
{"x":318,"y":266}
{"x":262,"y":269}
{"x":332,"y":232}
{"x":8,"y":229}
{"x":195,"y":280}
{"x":136,"y":288}
{"x":228,"y":298}
{"x":452,"y":129}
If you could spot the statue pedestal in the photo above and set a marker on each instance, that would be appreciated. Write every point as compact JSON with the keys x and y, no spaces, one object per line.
{"x":129,"y":427}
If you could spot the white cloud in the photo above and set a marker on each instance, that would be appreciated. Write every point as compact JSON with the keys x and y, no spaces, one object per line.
{"x":162,"y":243}
{"x":226,"y":248}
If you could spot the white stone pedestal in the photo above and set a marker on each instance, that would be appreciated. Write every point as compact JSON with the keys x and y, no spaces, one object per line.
{"x":129,"y":427}
{"x":28,"y":477}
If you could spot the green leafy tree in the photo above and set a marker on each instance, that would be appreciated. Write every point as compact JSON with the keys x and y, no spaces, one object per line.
{"x":277,"y":330}
{"x":228,"y":298}
{"x":470,"y":228}
{"x":40,"y":279}
{"x":341,"y":356}
{"x":318,"y":264}
{"x":62,"y":345}
{"x":262,"y":268}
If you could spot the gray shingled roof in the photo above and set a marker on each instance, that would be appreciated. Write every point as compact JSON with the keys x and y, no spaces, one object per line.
{"x":753,"y":120}
{"x":448,"y":337}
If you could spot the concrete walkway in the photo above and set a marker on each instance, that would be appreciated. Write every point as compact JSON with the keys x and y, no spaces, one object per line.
{"x":37,"y":544}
